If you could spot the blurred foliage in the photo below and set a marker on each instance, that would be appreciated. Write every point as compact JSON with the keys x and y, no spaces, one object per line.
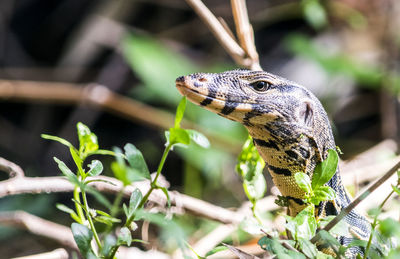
{"x":366,"y":75}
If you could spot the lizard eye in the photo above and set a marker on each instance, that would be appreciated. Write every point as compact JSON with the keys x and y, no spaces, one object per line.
{"x":261,"y":86}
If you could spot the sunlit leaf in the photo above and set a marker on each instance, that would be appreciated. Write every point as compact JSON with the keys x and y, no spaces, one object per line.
{"x":177,"y":136}
{"x":87,"y":140}
{"x":277,"y":249}
{"x":179,"y":112}
{"x":124,"y":237}
{"x":198,"y":138}
{"x":96,"y":167}
{"x":134,"y":201}
{"x":314,"y":13}
{"x":58,"y":139}
{"x":325,"y":170}
{"x":323,"y":193}
{"x":303,"y":181}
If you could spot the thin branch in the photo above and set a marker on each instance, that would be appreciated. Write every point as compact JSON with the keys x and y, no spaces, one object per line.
{"x":245,"y":32}
{"x":223,"y":37}
{"x":10,"y":168}
{"x":101,"y":97}
{"x":54,"y":184}
{"x":359,"y":199}
{"x":59,"y":253}
{"x":39,"y":226}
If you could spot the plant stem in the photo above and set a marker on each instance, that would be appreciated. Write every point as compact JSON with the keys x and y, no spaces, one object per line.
{"x":374,"y":224}
{"x":89,"y":217}
{"x":77,"y":206}
{"x":153,"y":186}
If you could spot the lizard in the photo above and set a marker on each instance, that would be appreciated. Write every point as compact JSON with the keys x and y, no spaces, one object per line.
{"x":289,"y":127}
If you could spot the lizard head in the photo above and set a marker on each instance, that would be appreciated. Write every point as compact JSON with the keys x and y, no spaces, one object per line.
{"x":250,"y":97}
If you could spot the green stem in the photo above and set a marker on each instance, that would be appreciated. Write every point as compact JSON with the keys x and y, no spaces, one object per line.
{"x":115,"y":207}
{"x":89,"y":217}
{"x":77,"y":206}
{"x":374,"y":224}
{"x":153,"y":186}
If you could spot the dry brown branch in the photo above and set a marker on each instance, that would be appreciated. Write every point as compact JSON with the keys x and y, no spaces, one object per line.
{"x":99,"y":96}
{"x":244,"y":53}
{"x":39,"y":226}
{"x":59,"y":253}
{"x":245,"y":32}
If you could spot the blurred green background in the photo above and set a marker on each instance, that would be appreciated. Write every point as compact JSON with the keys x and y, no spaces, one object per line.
{"x":345,"y":51}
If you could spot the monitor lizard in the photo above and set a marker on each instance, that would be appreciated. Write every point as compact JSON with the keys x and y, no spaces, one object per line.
{"x":289,"y":127}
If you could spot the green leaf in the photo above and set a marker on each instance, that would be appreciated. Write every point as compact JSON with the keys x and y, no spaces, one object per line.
{"x":308,"y":248}
{"x":396,"y":189}
{"x":340,"y":229}
{"x":109,"y":221}
{"x":304,"y":225}
{"x":134,"y":201}
{"x":250,"y":167}
{"x":198,"y":138}
{"x":109,"y":243}
{"x":96,"y":167}
{"x":58,"y":139}
{"x":87,"y":140}
{"x":179,"y":112}
{"x":177,"y":136}
{"x":390,"y":228}
{"x":71,"y":212}
{"x":324,"y":171}
{"x":325,"y":239}
{"x":216,"y":250}
{"x":323,"y":193}
{"x":78,"y":161}
{"x":256,"y":187}
{"x":303,"y":181}
{"x":277,"y":249}
{"x":124,"y":237}
{"x":136,"y":160}
{"x":83,"y":236}
{"x":68,"y":173}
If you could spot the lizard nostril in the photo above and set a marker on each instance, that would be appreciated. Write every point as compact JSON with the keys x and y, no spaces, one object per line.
{"x":202,"y":79}
{"x":180,"y":79}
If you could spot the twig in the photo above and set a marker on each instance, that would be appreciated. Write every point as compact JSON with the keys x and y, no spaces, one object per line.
{"x":360,"y":198}
{"x":39,"y":226}
{"x":99,"y":96}
{"x":223,"y":37}
{"x":20,"y":185}
{"x":59,"y":253}
{"x":245,"y":32}
{"x":10,"y":168}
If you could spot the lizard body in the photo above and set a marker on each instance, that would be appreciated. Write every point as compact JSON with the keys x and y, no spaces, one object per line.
{"x":289,"y":127}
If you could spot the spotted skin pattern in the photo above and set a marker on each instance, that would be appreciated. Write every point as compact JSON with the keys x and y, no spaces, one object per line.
{"x":289,"y":127}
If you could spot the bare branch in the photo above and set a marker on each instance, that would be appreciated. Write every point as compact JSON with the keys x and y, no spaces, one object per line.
{"x":245,"y":32}
{"x":59,"y":253}
{"x":100,"y":96}
{"x":194,"y":206}
{"x":39,"y":226}
{"x":10,"y":168}
{"x":223,"y":36}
